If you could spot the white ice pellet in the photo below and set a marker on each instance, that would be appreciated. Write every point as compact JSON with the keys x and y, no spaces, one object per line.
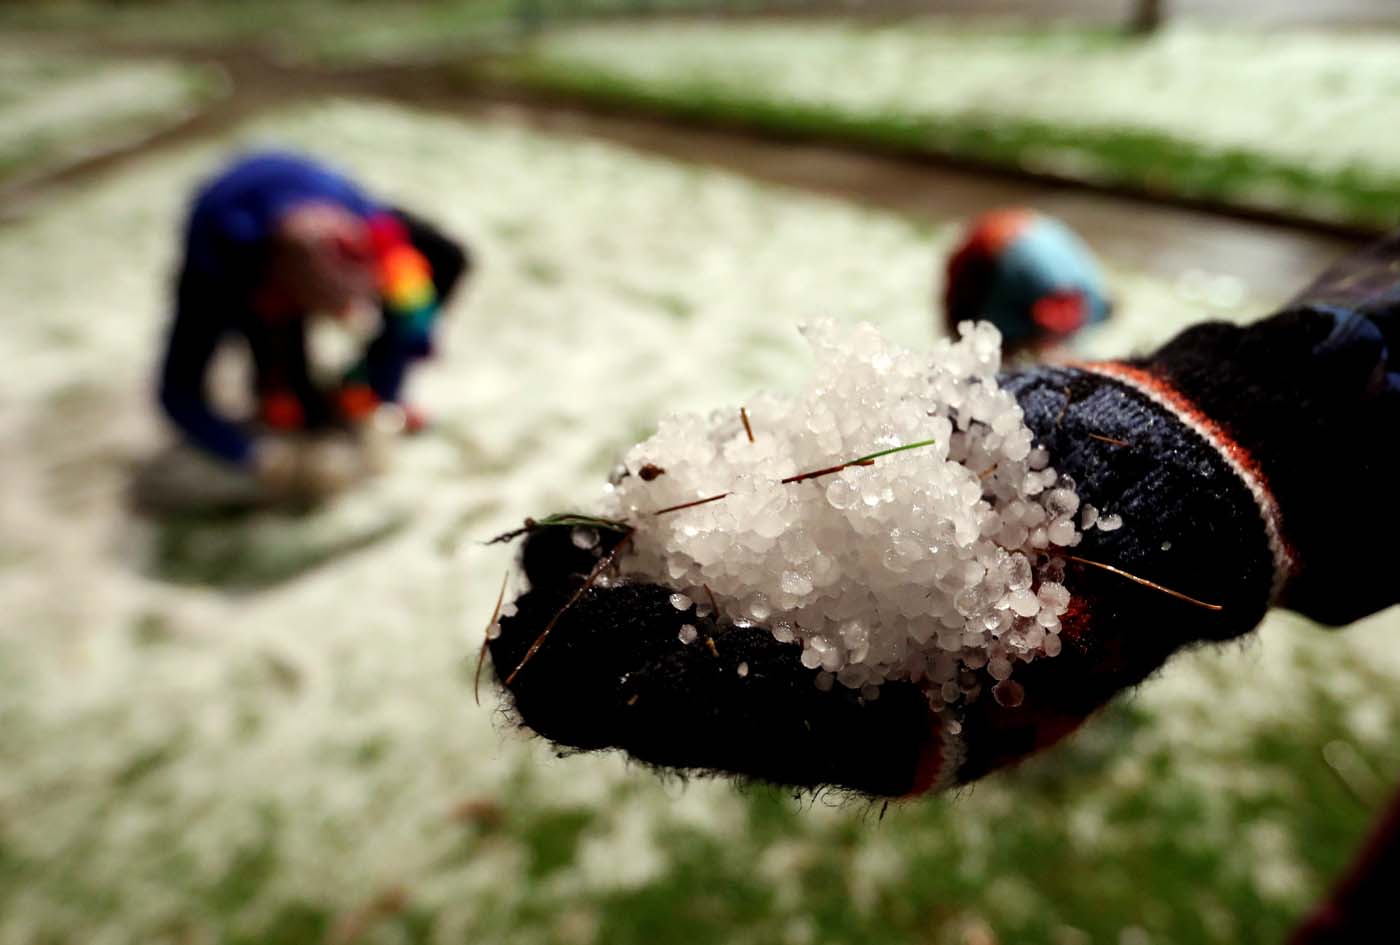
{"x":1024,"y":603}
{"x":1109,"y":523}
{"x":1017,"y":573}
{"x":1054,"y":596}
{"x":796,"y":584}
{"x":1061,"y":533}
{"x":743,"y":669}
{"x":927,"y":564}
{"x":840,"y":494}
{"x":1009,"y":693}
{"x":585,"y":538}
{"x":1088,"y":516}
{"x":1062,"y":503}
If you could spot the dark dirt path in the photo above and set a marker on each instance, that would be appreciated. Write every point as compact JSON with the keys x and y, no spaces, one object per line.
{"x":1272,"y":256}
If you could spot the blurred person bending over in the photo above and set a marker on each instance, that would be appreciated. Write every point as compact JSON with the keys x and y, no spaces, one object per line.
{"x":273,"y":240}
{"x":1029,"y":275}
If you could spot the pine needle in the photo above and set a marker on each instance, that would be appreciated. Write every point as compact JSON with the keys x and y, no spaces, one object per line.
{"x":866,"y":460}
{"x":690,"y":505}
{"x":1146,"y":583}
{"x":561,"y":520}
{"x":481,"y":657}
{"x":818,"y":473}
{"x":598,"y":569}
{"x":576,"y":520}
{"x":714,"y":607}
{"x":891,"y":450}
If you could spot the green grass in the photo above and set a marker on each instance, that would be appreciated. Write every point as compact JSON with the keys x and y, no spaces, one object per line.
{"x":342,"y":32}
{"x":58,"y":107}
{"x":257,"y":743}
{"x":1176,"y":165}
{"x":300,"y":29}
{"x":1122,"y":158}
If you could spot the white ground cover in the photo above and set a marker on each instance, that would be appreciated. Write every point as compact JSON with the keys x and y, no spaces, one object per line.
{"x":1328,"y":101}
{"x":56,"y":107}
{"x":216,"y":761}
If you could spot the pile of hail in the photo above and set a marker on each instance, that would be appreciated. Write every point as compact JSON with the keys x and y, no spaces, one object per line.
{"x":940,"y":554}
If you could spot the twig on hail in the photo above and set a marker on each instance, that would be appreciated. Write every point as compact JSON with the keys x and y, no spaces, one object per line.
{"x":866,"y":460}
{"x":603,"y":564}
{"x":744,"y":416}
{"x":481,"y":657}
{"x":1146,"y":583}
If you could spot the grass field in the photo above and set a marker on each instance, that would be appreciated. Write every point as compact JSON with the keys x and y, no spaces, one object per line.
{"x":1290,"y":121}
{"x":56,"y":107}
{"x":328,"y":31}
{"x":1298,"y":122}
{"x":262,"y":730}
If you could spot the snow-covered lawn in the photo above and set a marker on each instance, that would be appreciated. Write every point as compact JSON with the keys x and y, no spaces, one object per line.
{"x":56,"y":107}
{"x":263,"y":730}
{"x":1303,"y":121}
{"x":325,"y":31}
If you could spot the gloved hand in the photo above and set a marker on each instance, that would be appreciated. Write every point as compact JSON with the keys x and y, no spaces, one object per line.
{"x":1234,"y":456}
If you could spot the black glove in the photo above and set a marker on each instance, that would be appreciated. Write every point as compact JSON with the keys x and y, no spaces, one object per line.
{"x":1227,"y":454}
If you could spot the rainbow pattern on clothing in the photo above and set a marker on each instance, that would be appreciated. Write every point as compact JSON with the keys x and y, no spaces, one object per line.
{"x":404,"y":277}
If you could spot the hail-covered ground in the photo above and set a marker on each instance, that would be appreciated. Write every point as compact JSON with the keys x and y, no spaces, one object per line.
{"x":1290,"y":119}
{"x":1187,"y":82}
{"x":262,"y":729}
{"x":57,"y":107}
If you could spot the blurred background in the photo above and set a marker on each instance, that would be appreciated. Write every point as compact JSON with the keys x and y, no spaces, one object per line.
{"x":262,"y":728}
